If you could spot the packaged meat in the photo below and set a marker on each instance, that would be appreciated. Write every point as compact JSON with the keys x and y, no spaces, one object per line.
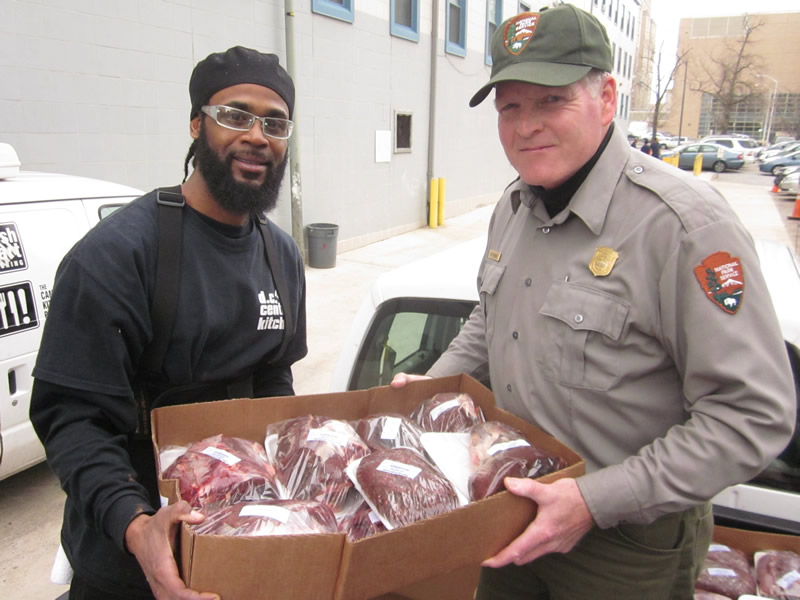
{"x":389,"y":431}
{"x":497,"y":451}
{"x":703,"y":595}
{"x":402,"y":487}
{"x":361,"y":522}
{"x":447,"y":412}
{"x":778,"y":574}
{"x":222,"y":470}
{"x":725,"y":578}
{"x":725,"y":556}
{"x":271,"y":517}
{"x":310,"y":457}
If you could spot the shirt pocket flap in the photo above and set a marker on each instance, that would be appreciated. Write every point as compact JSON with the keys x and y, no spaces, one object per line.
{"x":585,"y":308}
{"x":491,"y":274}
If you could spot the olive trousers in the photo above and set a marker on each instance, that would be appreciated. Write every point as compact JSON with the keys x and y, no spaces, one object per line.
{"x":659,"y":561}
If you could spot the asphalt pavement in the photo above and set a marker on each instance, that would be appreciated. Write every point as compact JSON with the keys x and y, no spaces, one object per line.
{"x":31,"y":502}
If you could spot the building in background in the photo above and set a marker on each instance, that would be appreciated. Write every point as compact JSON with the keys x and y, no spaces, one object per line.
{"x":101,"y":89}
{"x":768,"y":76}
{"x":642,"y":94}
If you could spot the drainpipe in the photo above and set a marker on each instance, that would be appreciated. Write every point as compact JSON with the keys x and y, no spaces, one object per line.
{"x":296,"y":187}
{"x":432,"y":101}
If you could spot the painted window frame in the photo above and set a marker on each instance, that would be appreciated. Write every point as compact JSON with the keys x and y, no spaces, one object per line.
{"x":451,"y":47}
{"x":404,"y":31}
{"x":344,"y":11}
{"x":498,"y":20}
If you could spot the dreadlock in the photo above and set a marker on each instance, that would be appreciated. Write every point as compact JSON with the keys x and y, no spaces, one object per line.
{"x":189,"y":158}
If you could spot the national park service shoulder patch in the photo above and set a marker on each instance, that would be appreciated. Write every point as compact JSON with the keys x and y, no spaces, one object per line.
{"x":722,"y":278}
{"x":519,"y":32}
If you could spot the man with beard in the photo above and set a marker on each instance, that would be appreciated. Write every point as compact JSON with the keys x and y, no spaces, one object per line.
{"x":238,"y":324}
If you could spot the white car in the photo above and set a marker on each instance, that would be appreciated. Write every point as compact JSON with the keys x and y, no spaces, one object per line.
{"x":41,"y":216}
{"x":411,"y":314}
{"x":790,"y":183}
{"x":748,"y":147}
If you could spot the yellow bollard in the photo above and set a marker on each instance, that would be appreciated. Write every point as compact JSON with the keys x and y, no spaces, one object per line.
{"x":433,"y":205}
{"x":697,"y":168}
{"x":441,"y":200}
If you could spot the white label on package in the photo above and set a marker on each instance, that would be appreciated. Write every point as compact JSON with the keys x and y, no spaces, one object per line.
{"x":719,"y":548}
{"x":391,"y":426}
{"x":373,"y":517}
{"x":326,"y":435}
{"x":444,"y":406}
{"x":506,"y":446}
{"x":789,"y":579}
{"x":397,"y":468}
{"x":719,"y":572}
{"x":221,"y":455}
{"x":277,"y":513}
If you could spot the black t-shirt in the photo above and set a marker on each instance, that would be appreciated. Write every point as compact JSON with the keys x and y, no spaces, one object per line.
{"x":229,"y":322}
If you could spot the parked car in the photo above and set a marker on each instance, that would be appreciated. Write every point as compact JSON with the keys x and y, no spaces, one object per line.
{"x":748,"y":147}
{"x":41,"y":216}
{"x":782,"y":172}
{"x":790,"y":181}
{"x":715,"y":157}
{"x":778,"y":150}
{"x":411,"y":314}
{"x":775,"y":164}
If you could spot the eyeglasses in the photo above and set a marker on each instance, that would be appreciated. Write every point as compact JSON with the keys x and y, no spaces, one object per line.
{"x":241,"y":120}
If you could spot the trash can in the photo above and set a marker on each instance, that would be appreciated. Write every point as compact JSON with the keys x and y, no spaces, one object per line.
{"x":322,"y":245}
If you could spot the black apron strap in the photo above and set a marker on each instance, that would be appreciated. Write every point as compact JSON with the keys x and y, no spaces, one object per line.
{"x":168,"y":275}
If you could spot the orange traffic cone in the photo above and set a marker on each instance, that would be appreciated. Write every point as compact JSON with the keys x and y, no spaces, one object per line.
{"x":775,"y":189}
{"x":796,"y":212}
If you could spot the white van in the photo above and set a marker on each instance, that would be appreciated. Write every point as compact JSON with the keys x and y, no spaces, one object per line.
{"x":41,"y":216}
{"x":411,"y":314}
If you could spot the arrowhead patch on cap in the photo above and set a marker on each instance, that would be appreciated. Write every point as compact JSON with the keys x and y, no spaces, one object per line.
{"x":519,"y":32}
{"x":722,"y":278}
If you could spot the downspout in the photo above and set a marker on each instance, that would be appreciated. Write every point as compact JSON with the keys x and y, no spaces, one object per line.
{"x":432,"y":100}
{"x":296,"y":188}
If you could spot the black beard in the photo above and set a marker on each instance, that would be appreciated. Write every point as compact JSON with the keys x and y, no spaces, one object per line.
{"x":234,"y":196}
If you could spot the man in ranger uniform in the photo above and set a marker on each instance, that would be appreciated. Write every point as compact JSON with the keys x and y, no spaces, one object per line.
{"x":622,"y":310}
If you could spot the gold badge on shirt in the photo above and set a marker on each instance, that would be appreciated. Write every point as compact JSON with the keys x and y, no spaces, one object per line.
{"x":495,"y":255}
{"x":603,"y":261}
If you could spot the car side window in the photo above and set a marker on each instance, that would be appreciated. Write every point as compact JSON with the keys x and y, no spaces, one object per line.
{"x":108,"y":209}
{"x":692,"y":149}
{"x":407,"y":335}
{"x":726,"y":143}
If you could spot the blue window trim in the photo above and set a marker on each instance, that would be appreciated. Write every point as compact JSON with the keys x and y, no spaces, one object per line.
{"x":403,"y":31}
{"x":450,"y":47}
{"x":344,"y":11}
{"x":498,"y":20}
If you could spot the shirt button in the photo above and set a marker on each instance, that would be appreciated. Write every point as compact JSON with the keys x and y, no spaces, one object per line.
{"x":515,"y":335}
{"x":545,"y":230}
{"x":579,"y":318}
{"x":508,"y":387}
{"x":528,"y":282}
{"x":638,"y":169}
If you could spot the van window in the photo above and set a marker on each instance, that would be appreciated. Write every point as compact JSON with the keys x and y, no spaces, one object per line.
{"x":407,"y":336}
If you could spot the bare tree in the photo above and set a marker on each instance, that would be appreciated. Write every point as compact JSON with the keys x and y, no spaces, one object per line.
{"x":729,"y":75}
{"x":661,"y":84}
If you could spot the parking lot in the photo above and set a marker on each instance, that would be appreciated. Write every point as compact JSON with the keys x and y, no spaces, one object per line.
{"x":31,"y":502}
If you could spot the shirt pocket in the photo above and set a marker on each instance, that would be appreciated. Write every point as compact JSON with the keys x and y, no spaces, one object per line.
{"x":581,"y":329}
{"x":489,"y":278}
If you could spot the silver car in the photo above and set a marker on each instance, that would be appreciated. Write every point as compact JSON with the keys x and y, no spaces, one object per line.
{"x":715,"y":157}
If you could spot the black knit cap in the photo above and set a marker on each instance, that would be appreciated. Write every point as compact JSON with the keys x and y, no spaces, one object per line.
{"x":234,"y":66}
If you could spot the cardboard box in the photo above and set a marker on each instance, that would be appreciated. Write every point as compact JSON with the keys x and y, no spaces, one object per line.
{"x":751,"y":542}
{"x":329,"y":567}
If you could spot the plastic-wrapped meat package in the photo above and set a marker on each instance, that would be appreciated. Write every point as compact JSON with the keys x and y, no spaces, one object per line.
{"x":497,"y":451}
{"x":402,"y":487}
{"x":703,"y":595}
{"x":271,"y":517}
{"x":361,"y":522}
{"x":778,"y":574}
{"x":311,"y":455}
{"x":726,"y":571}
{"x":447,"y":412}
{"x":221,"y":470}
{"x":389,"y":431}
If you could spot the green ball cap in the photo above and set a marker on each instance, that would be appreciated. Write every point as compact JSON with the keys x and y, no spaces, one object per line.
{"x":554,"y":47}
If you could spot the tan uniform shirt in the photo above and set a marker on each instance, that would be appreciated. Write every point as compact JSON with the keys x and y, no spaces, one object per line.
{"x":669,"y":395}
